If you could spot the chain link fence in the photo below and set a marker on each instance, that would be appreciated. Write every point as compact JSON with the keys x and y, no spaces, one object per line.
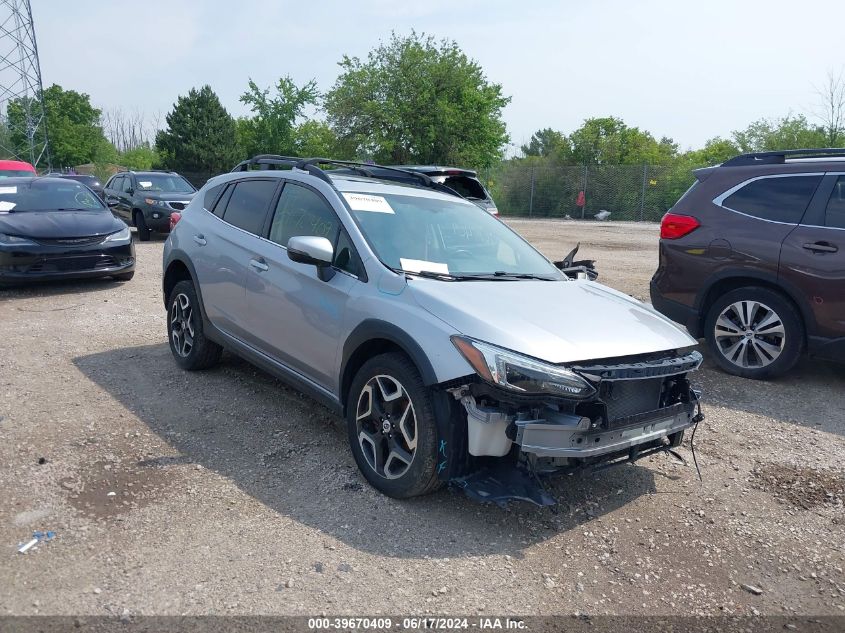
{"x":540,"y":188}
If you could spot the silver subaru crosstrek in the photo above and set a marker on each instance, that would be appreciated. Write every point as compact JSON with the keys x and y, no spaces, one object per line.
{"x":455,"y":351}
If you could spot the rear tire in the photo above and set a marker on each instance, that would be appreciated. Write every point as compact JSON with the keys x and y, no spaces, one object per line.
{"x":141,"y":224}
{"x":189,"y":345}
{"x":391,"y":427}
{"x":754,"y":333}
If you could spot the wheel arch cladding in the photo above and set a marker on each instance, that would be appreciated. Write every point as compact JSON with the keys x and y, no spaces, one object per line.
{"x":727,"y":283}
{"x":372,"y":337}
{"x":180,"y":268}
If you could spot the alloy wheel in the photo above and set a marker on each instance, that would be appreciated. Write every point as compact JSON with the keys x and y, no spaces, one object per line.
{"x":750,"y":334}
{"x":387,"y":426}
{"x":181,"y":325}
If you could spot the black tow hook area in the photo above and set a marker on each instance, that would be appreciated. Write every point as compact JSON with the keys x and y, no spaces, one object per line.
{"x":501,"y":485}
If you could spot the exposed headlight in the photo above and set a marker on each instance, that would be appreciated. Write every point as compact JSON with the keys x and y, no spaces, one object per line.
{"x":123,"y":235}
{"x":14,"y":239}
{"x":155,"y":203}
{"x":519,"y":373}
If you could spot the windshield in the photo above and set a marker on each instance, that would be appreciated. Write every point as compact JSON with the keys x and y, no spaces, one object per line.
{"x":11,"y":173}
{"x":91,"y":181}
{"x":450,"y":237}
{"x":165,"y":183}
{"x":43,"y":195}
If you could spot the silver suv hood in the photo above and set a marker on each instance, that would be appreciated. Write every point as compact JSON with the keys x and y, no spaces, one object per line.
{"x":556,"y":321}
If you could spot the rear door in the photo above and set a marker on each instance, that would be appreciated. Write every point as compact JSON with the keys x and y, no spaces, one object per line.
{"x":765,"y":210}
{"x":813,"y":257}
{"x":296,"y":317}
{"x":223,"y":245}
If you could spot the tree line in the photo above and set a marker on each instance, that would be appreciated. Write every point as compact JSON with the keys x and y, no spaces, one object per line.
{"x":413,"y":99}
{"x":628,"y":170}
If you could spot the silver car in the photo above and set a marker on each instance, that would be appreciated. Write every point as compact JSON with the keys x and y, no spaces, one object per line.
{"x":455,"y":351}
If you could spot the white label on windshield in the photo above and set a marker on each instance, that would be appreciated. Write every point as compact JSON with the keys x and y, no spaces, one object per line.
{"x":6,"y":206}
{"x":419,"y":265}
{"x":365,"y":202}
{"x":8,"y":189}
{"x":146,"y":184}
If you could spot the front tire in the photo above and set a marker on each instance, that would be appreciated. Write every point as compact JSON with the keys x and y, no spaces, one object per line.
{"x":141,"y":224}
{"x":189,"y":345}
{"x":754,"y":333}
{"x":391,"y":427}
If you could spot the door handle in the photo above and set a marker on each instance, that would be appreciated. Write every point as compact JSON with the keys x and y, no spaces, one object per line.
{"x":199,"y":239}
{"x":259,"y":265}
{"x":821,"y":247}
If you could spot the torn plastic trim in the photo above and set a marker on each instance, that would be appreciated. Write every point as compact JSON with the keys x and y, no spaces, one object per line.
{"x":656,"y":368}
{"x":545,"y":438}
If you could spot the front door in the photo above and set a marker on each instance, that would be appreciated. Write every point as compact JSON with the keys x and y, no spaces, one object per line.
{"x":813,"y":257}
{"x":296,"y":317}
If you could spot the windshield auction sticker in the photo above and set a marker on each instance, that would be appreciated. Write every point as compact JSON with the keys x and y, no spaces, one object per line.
{"x":420,"y":265}
{"x":366,"y":202}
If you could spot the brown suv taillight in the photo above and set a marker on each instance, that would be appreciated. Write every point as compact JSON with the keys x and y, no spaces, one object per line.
{"x":674,"y":225}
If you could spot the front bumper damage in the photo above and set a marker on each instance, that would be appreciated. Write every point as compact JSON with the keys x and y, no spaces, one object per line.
{"x":641,"y":408}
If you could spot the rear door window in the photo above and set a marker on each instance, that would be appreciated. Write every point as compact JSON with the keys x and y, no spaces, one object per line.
{"x":248,"y":203}
{"x":211,"y":195}
{"x":835,"y":212}
{"x":778,"y":199}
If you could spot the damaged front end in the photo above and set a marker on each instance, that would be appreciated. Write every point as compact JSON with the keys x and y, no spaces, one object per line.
{"x":526,"y":419}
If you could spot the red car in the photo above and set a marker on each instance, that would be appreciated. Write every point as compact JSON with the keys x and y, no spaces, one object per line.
{"x":10,"y":168}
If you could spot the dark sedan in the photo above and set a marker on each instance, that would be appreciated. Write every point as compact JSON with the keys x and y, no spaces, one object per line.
{"x":92,"y":182}
{"x":55,"y":228}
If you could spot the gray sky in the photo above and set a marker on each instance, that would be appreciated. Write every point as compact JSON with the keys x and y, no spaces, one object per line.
{"x":677,"y":68}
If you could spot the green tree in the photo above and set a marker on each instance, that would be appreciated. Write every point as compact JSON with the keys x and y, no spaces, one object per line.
{"x":73,"y":124}
{"x":545,"y":142}
{"x":271,"y":129}
{"x":141,"y":158}
{"x":609,"y":141}
{"x":716,"y":150}
{"x":200,"y":134}
{"x":790,"y":132}
{"x":315,"y":138}
{"x":418,"y":100}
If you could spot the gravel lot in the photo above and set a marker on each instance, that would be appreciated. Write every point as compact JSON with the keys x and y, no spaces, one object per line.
{"x":226,"y":492}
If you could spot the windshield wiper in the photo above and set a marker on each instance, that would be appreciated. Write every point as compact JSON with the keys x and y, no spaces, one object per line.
{"x":499,"y":275}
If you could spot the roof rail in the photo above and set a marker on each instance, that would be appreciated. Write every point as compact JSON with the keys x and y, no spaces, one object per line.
{"x":779,"y":157}
{"x":312,"y":166}
{"x":266,"y":161}
{"x":369,"y":171}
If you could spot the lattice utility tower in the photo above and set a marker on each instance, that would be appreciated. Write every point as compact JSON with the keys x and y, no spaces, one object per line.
{"x":23,"y":123}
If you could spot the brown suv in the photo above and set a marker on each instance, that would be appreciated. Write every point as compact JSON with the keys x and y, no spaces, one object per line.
{"x":752,"y":258}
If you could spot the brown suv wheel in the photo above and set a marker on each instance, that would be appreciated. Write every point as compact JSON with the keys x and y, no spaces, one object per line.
{"x":754,"y":333}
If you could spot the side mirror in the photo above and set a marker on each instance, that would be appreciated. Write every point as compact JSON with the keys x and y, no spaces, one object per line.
{"x":313,"y":250}
{"x":111,"y":202}
{"x":130,"y":191}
